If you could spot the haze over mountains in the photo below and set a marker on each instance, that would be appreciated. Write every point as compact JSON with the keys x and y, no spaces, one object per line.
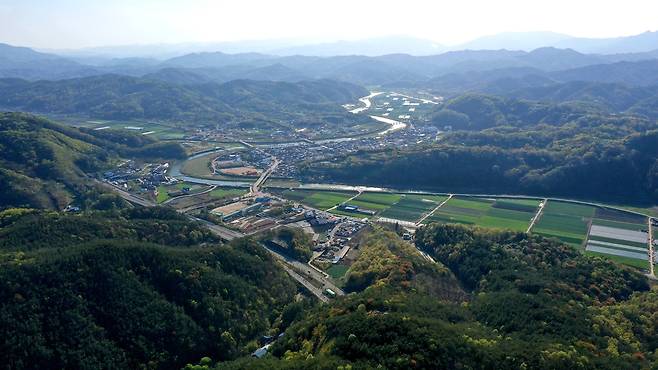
{"x":617,"y":74}
{"x":395,"y":44}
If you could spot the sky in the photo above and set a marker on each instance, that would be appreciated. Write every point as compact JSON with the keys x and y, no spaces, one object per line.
{"x":67,"y":24}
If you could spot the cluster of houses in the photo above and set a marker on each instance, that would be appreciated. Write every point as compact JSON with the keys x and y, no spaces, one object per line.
{"x":338,"y":242}
{"x":146,"y":177}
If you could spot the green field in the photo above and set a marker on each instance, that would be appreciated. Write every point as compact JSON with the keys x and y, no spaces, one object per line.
{"x":317,"y":199}
{"x":227,"y":192}
{"x":337,"y":271}
{"x":565,"y":221}
{"x":412,"y":207}
{"x":375,"y":201}
{"x":513,"y":214}
{"x":198,"y":167}
{"x":151,"y":129}
{"x":623,"y":260}
{"x":620,"y":225}
{"x":163,"y":190}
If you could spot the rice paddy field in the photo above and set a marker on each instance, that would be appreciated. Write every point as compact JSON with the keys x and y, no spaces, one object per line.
{"x":513,"y":214}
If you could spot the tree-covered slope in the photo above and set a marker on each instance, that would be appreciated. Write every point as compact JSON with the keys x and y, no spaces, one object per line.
{"x":507,"y":146}
{"x":125,"y":97}
{"x":104,"y":295}
{"x":43,"y":164}
{"x":532,"y":303}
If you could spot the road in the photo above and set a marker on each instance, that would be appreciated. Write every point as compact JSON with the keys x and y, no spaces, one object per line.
{"x":255,"y":187}
{"x":434,"y":210}
{"x":537,"y":215}
{"x":374,"y":189}
{"x":223,"y":232}
{"x":652,"y":256}
{"x":126,"y":195}
{"x":311,"y":273}
{"x":211,"y":188}
{"x":345,"y":202}
{"x":290,"y":265}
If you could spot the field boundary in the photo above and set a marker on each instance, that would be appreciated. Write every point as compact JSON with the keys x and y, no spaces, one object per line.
{"x":434,"y":210}
{"x":540,"y":209}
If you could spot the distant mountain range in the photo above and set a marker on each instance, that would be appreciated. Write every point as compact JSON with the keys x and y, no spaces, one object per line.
{"x":194,"y":86}
{"x":528,"y":41}
{"x":525,"y":41}
{"x":390,"y":70}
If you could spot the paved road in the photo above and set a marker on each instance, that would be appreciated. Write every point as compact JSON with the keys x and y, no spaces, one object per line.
{"x":255,"y":187}
{"x":126,"y":195}
{"x":652,"y":256}
{"x":311,"y":273}
{"x":211,"y":188}
{"x":434,"y":210}
{"x":534,"y":220}
{"x":307,"y":284}
{"x":290,"y":265}
{"x":223,"y":232}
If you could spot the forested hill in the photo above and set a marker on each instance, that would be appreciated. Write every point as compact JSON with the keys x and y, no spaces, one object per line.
{"x":43,"y":164}
{"x":509,"y":146}
{"x":95,"y":291}
{"x":124,"y":97}
{"x":526,"y":303}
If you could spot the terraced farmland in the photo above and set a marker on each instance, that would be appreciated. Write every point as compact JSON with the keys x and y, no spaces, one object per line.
{"x":514,"y":214}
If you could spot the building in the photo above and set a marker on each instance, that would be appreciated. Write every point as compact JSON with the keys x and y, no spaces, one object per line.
{"x":262,"y":351}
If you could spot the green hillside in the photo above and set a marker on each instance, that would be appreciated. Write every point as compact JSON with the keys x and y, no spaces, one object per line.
{"x":43,"y":164}
{"x":123,"y":98}
{"x":96,"y":291}
{"x":525,"y":302}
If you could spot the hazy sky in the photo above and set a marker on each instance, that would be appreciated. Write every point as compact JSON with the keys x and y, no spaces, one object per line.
{"x":83,"y":23}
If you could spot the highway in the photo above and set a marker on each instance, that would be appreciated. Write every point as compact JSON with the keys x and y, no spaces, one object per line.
{"x":291,"y":266}
{"x":309,"y":272}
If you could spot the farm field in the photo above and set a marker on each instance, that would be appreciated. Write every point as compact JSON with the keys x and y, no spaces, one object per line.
{"x":622,"y":239}
{"x":375,"y":201}
{"x":642,"y":264}
{"x":396,"y":106}
{"x":157,"y":130}
{"x":317,"y":199}
{"x":163,"y":190}
{"x":565,"y":221}
{"x":513,"y":214}
{"x":412,"y":207}
{"x":227,"y":192}
{"x":404,"y":207}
